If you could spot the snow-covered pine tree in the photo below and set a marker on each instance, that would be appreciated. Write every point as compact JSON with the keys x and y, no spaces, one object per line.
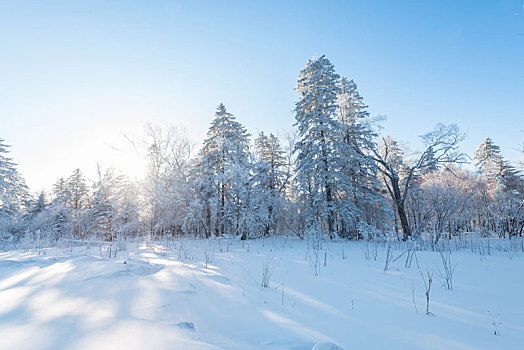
{"x":499,"y":173}
{"x":317,"y":162}
{"x":364,"y":204}
{"x":505,"y":210}
{"x":224,"y":152}
{"x":126,"y":220}
{"x":77,"y":189}
{"x":61,"y":192}
{"x":78,"y":201}
{"x":40,"y":204}
{"x":36,"y":207}
{"x":14,"y":196}
{"x":59,"y":215}
{"x":270,"y":180}
{"x":101,"y":210}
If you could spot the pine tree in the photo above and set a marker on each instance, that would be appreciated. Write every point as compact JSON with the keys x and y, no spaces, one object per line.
{"x":270,"y":180}
{"x":61,"y":191}
{"x":39,"y":205}
{"x":77,"y":196}
{"x":223,"y":157}
{"x":77,"y":188}
{"x":126,"y":221}
{"x":101,"y":209}
{"x":317,"y":161}
{"x":14,"y":196}
{"x":499,"y":173}
{"x":363,"y":204}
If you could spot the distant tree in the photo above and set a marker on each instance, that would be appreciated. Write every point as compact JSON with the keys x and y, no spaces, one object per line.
{"x":77,"y":195}
{"x":61,"y":192}
{"x":40,"y":204}
{"x":447,"y":194}
{"x":101,"y":207}
{"x":14,"y":195}
{"x":77,"y":189}
{"x":499,"y":173}
{"x":503,"y":204}
{"x":126,"y":219}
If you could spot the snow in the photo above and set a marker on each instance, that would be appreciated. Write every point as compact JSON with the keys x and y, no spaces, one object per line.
{"x":162,"y":296}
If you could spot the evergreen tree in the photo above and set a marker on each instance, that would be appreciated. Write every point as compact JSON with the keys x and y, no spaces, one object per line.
{"x":270,"y":180}
{"x":61,"y":191}
{"x":223,"y":158}
{"x":101,"y":209}
{"x":363,"y":203}
{"x":499,"y":173}
{"x":126,"y":221}
{"x":37,"y":206}
{"x":76,"y":193}
{"x":77,"y":190}
{"x":317,"y":164}
{"x":14,"y":196}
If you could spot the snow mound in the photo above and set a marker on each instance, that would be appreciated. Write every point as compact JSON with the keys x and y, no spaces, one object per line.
{"x":144,"y":269}
{"x":39,"y":262}
{"x":326,"y":346}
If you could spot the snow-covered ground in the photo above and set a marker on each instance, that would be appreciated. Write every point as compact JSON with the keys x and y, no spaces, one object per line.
{"x":162,"y":296}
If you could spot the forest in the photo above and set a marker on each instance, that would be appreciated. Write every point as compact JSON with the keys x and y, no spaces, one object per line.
{"x":334,"y":175}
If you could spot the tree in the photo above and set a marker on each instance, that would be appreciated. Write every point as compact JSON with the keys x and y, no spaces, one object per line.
{"x":441,"y":149}
{"x":77,"y":188}
{"x":503,"y":210}
{"x":101,"y":208}
{"x":361,"y":189}
{"x":499,"y":173}
{"x":488,"y":158}
{"x":126,"y":220}
{"x":223,"y":159}
{"x":113,"y":213}
{"x":40,"y":204}
{"x":271,"y":179}
{"x":14,"y":196}
{"x":166,"y":186}
{"x":446,"y":193}
{"x":61,"y":191}
{"x":317,"y":161}
{"x":77,"y":196}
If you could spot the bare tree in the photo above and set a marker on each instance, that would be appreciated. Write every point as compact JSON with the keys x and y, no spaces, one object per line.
{"x":168,"y":152}
{"x":441,"y":149}
{"x":446,"y":194}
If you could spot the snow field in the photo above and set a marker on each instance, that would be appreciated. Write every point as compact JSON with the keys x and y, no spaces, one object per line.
{"x":209,"y":294}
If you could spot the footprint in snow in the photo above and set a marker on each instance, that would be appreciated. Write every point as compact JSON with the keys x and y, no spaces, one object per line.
{"x":190,"y":326}
{"x":220,"y":279}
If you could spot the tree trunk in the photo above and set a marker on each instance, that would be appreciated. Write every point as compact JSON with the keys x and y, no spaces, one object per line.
{"x":331,"y":213}
{"x":399,"y":203}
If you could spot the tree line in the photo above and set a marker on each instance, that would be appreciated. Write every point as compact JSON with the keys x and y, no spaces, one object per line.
{"x":333,"y":176}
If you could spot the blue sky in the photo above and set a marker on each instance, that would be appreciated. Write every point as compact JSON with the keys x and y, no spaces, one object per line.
{"x":76,"y":75}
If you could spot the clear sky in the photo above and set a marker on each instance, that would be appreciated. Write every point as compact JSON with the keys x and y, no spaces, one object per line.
{"x":75,"y":75}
